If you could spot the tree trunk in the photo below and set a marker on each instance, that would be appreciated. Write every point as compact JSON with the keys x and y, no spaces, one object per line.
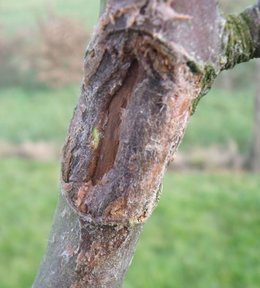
{"x":146,"y":67}
{"x":254,"y":161}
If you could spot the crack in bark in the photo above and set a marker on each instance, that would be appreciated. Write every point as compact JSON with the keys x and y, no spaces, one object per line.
{"x":148,"y":88}
{"x":108,"y":134}
{"x":111,"y":125}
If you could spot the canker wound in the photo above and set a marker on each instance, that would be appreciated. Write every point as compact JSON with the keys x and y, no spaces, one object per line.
{"x":107,"y":149}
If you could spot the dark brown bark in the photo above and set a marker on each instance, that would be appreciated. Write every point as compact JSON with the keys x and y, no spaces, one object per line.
{"x":146,"y":67}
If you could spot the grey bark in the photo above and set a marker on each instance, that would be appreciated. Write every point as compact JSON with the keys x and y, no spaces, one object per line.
{"x":67,"y":234}
{"x":146,"y":67}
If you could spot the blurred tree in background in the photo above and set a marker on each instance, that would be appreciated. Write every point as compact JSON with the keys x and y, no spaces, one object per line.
{"x":254,"y":159}
{"x":56,"y":57}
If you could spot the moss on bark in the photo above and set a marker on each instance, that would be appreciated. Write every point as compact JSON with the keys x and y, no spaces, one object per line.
{"x":239,"y":45}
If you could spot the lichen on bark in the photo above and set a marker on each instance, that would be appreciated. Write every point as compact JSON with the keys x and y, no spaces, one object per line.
{"x":241,"y":38}
{"x":209,"y":75}
{"x":239,"y":44}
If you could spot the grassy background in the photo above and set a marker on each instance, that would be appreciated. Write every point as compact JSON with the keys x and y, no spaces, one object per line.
{"x":44,"y":115}
{"x":36,"y":114}
{"x":205,"y":231}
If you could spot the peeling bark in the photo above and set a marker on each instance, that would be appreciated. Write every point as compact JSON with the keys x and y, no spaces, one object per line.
{"x":146,"y":67}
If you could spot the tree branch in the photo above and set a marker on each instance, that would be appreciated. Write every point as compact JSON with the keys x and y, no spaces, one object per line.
{"x":241,"y":38}
{"x":146,"y":68}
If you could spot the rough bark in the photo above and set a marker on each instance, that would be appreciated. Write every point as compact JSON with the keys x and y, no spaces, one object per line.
{"x":146,"y":67}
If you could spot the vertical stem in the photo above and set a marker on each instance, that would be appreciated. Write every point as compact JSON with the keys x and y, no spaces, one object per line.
{"x":255,"y":148}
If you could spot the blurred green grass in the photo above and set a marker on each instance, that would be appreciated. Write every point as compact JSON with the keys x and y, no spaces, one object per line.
{"x":28,"y":194}
{"x":221,"y":117}
{"x":37,"y":115}
{"x":204,"y":233}
{"x":45,"y":114}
